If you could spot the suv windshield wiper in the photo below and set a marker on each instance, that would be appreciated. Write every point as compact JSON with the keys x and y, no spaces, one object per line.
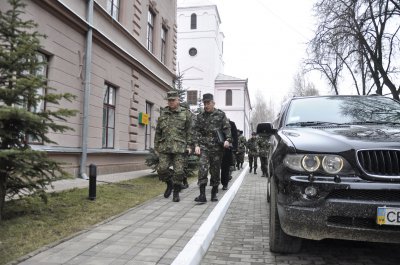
{"x":371,"y":122}
{"x":312,"y":123}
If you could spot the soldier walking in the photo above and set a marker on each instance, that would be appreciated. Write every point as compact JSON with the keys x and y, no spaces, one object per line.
{"x":263,"y":151}
{"x":213,"y":135}
{"x":252,"y":150}
{"x":172,"y":139}
{"x":240,"y":150}
{"x":227,"y":159}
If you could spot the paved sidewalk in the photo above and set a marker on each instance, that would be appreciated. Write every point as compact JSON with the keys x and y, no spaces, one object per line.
{"x":66,"y":184}
{"x":152,"y":233}
{"x":243,"y":237}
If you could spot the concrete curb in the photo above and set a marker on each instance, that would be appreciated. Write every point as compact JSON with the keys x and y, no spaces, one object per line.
{"x":197,"y":247}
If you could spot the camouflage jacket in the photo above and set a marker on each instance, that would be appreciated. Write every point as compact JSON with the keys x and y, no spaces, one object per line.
{"x":263,"y":145}
{"x":173,"y":131}
{"x":241,"y":144}
{"x":205,"y":127}
{"x":252,"y":146}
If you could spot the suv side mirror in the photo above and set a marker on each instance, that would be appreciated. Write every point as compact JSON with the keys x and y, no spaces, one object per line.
{"x":266,"y":128}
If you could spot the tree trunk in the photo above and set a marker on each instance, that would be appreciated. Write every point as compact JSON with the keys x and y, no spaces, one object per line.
{"x":3,"y":191}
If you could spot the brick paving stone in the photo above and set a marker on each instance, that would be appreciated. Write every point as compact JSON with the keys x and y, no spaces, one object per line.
{"x":243,"y":236}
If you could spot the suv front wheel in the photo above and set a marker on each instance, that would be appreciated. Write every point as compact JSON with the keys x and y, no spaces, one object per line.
{"x":279,"y":241}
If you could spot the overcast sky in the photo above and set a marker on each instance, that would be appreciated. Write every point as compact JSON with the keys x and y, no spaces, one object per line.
{"x":265,"y":41}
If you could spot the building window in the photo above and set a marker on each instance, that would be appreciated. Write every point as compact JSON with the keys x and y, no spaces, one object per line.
{"x":192,"y":97}
{"x":164,"y":32}
{"x":228,"y":97}
{"x":40,"y":106}
{"x":193,"y":21}
{"x":147,"y":140}
{"x":192,"y":51}
{"x":150,"y":30}
{"x":109,"y":116}
{"x":113,"y":8}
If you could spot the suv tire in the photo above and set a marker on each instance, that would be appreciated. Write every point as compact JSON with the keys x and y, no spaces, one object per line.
{"x":279,"y":241}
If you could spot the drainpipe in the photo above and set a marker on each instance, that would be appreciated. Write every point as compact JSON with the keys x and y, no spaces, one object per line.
{"x":244,"y":110}
{"x":86,"y":81}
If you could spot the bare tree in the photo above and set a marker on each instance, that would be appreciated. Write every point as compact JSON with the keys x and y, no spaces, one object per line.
{"x":302,"y":87}
{"x":360,"y":36}
{"x":262,"y":111}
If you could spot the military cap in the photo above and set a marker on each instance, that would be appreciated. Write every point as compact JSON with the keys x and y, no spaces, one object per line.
{"x":208,"y":96}
{"x":172,"y":95}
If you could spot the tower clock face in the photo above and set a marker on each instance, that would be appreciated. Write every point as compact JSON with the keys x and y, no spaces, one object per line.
{"x":192,"y":51}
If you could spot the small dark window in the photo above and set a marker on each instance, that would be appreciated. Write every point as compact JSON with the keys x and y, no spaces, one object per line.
{"x":192,"y":97}
{"x":228,"y":98}
{"x":192,"y":51}
{"x":193,"y":21}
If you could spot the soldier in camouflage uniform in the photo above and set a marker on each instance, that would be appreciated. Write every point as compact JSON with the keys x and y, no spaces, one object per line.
{"x":252,"y":150}
{"x":241,"y":150}
{"x":263,"y":151}
{"x":209,"y":146}
{"x":173,"y":138}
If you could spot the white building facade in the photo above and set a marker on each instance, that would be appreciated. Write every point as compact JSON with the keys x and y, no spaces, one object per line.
{"x":200,"y":62}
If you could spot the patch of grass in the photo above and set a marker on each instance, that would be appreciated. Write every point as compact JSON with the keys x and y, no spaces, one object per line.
{"x":29,"y":223}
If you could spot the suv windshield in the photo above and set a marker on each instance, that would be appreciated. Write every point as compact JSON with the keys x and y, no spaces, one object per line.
{"x":342,"y":110}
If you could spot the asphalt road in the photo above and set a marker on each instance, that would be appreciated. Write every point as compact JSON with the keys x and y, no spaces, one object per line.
{"x":243,"y":238}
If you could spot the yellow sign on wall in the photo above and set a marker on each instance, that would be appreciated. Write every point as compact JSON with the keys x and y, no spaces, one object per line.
{"x":144,"y":118}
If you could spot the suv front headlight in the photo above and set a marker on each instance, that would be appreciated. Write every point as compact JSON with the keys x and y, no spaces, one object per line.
{"x":326,"y":163}
{"x":310,"y":163}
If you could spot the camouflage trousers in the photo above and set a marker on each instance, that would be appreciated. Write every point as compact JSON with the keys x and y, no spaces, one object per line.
{"x":264,"y":165}
{"x":177,"y":161}
{"x":210,"y":161}
{"x":240,"y":157}
{"x":253,"y":159}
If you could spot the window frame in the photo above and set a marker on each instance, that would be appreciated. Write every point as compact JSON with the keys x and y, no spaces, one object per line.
{"x":113,"y":7}
{"x":150,"y":30}
{"x":148,"y":129}
{"x":107,"y":106}
{"x":192,"y":97}
{"x":164,"y":33}
{"x":42,"y":104}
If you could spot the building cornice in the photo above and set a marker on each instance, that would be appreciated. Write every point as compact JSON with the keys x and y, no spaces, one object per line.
{"x":66,"y":14}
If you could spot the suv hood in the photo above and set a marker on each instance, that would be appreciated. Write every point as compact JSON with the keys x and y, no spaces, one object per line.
{"x":343,"y":138}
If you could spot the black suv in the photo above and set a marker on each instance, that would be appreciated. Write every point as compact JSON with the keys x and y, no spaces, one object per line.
{"x":334,"y":170}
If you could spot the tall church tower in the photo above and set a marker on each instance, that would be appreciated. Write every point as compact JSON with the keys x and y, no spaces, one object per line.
{"x":200,"y":62}
{"x":200,"y":47}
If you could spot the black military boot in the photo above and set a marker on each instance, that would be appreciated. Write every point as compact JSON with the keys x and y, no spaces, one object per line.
{"x":250,"y":170}
{"x":255,"y":170}
{"x":177,"y":189}
{"x":241,"y":165}
{"x":202,"y":196}
{"x":225,"y":187}
{"x":214,"y":192}
{"x":168,"y":191}
{"x":185,"y":183}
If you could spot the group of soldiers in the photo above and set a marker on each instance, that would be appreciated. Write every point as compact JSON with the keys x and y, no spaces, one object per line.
{"x":209,"y":135}
{"x":258,"y":147}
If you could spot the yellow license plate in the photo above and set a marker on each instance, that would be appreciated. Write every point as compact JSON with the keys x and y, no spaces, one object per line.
{"x":388,"y":216}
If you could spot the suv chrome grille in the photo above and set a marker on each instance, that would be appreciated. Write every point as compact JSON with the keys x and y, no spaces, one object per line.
{"x":380,"y":163}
